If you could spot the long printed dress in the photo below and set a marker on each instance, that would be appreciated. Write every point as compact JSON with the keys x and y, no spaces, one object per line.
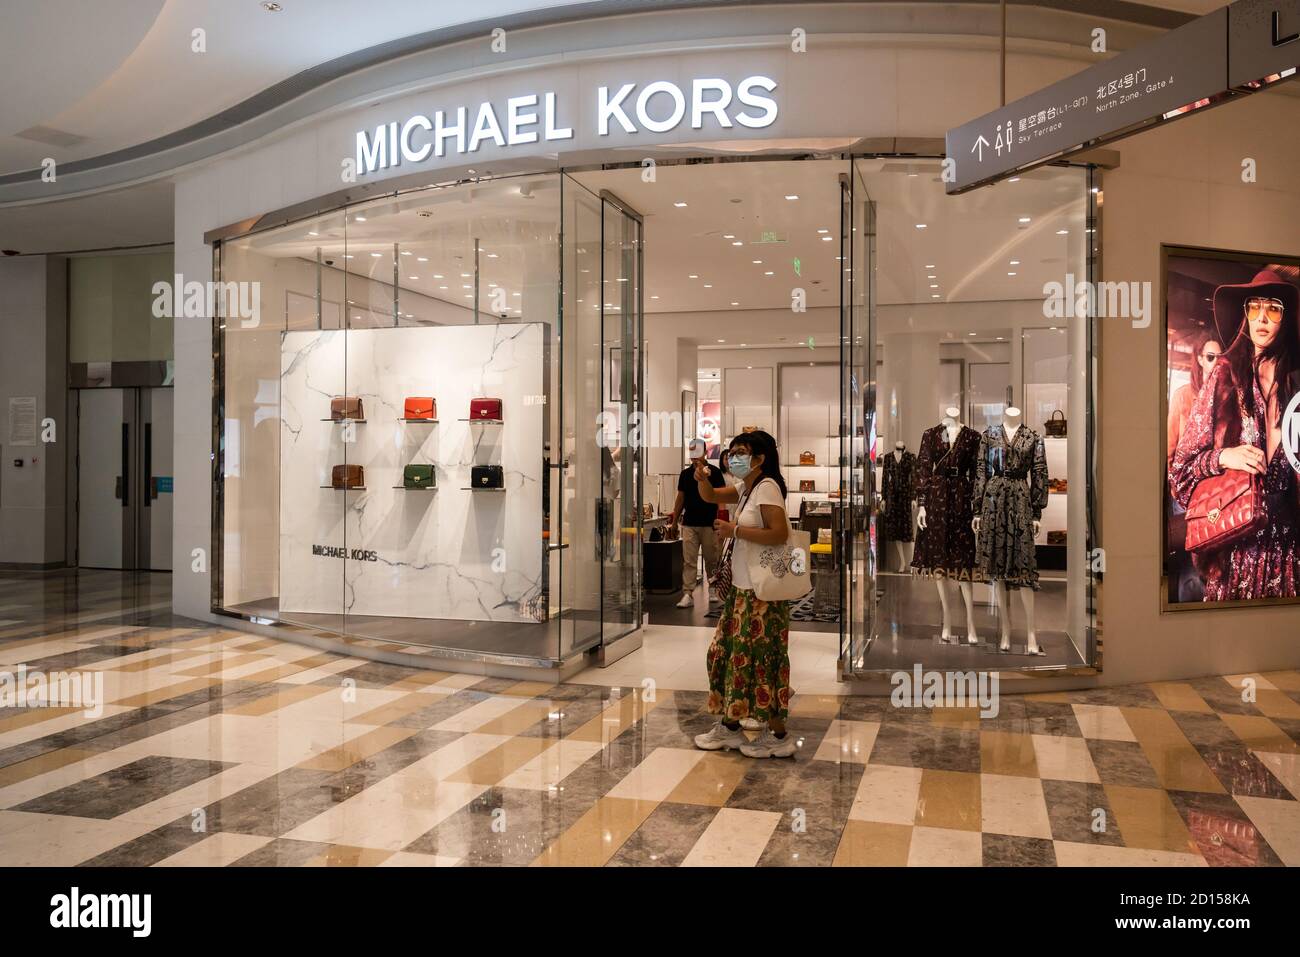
{"x":1010,"y":495}
{"x":898,"y":488}
{"x":944,"y":485}
{"x":1265,"y":563}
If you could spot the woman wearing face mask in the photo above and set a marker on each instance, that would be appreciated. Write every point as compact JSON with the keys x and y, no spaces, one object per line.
{"x":749,"y":657}
{"x":1235,"y":423}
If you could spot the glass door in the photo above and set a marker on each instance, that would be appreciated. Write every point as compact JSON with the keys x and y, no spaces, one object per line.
{"x":621,"y":380}
{"x":856,"y":509}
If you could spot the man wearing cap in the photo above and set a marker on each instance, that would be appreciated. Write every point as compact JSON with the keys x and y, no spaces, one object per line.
{"x":696,"y":517}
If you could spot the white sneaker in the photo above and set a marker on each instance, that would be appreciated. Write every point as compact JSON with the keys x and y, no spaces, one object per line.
{"x":720,"y":738}
{"x":768,"y":745}
{"x":751,"y":724}
{"x":687,"y":601}
{"x":714,"y":599}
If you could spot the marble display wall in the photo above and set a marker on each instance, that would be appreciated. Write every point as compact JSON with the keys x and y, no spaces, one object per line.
{"x":385,"y":550}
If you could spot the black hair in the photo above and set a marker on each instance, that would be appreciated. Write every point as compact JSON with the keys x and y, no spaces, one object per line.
{"x":761,"y":443}
{"x":1199,"y":342}
{"x":722,"y":460}
{"x":1245,"y":364}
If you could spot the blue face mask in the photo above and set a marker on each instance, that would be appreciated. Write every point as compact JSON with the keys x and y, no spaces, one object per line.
{"x":738,"y":465}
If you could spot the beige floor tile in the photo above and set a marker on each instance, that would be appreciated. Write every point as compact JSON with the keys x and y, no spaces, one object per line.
{"x":734,"y":838}
{"x":948,"y":799}
{"x":476,"y":715}
{"x":1177,"y":764}
{"x":887,"y":795}
{"x":1279,"y":822}
{"x":506,"y":758}
{"x":165,"y":693}
{"x":1070,"y":854}
{"x":57,"y":840}
{"x":848,"y":742}
{"x":967,"y":719}
{"x":282,"y":697}
{"x":1285,"y":767}
{"x":1064,"y":758}
{"x":40,"y":764}
{"x":1103,"y":722}
{"x":1276,"y":704}
{"x":358,"y":749}
{"x":1259,"y":733}
{"x":389,"y":814}
{"x":22,"y":791}
{"x":342,"y":855}
{"x":1146,"y":817}
{"x":549,"y":769}
{"x":1014,"y":805}
{"x":712,"y":780}
{"x":1008,"y":752}
{"x":656,"y":776}
{"x":596,"y":836}
{"x":941,"y":847}
{"x":216,"y":850}
{"x":873,"y":844}
{"x":1285,"y":680}
{"x":1239,"y":681}
{"x":409,"y":859}
{"x":814,"y":705}
{"x":390,"y":711}
{"x":420,"y":681}
{"x":517,"y":720}
{"x":617,"y":717}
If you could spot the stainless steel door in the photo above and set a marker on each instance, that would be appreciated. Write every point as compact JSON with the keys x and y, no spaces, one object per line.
{"x":154,"y":513}
{"x":106,"y":526}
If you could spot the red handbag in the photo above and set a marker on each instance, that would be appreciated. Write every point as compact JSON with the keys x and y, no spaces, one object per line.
{"x":1223,"y":508}
{"x":420,"y":407}
{"x":485,"y":409}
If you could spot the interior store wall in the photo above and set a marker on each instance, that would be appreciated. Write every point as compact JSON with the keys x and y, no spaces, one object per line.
{"x":1181,"y":184}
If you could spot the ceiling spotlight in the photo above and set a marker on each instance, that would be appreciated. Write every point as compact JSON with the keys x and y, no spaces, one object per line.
{"x":422,"y":259}
{"x":708,"y":285}
{"x":736,"y":304}
{"x":359,"y":219}
{"x":757,"y":262}
{"x":792,"y":196}
{"x":934,"y":285}
{"x":769,"y":273}
{"x":679,"y":205}
{"x":920,"y":225}
{"x":931,"y":277}
{"x":313,"y":233}
{"x":413,"y":278}
{"x":823,"y":230}
{"x":737,"y":243}
{"x":1010,"y":274}
{"x":1062,"y":232}
{"x":1024,"y":219}
{"x":722,"y":340}
{"x":406,"y":252}
{"x":376,"y":255}
{"x":1014,"y":262}
{"x":652,"y":297}
{"x":693,"y":276}
{"x":728,"y":236}
{"x":270,"y":6}
{"x":1014,"y":179}
{"x":930,"y":266}
{"x":935,"y":296}
{"x":827,"y":239}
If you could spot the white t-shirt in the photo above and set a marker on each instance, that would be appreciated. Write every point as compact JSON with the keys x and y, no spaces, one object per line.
{"x":766,"y":492}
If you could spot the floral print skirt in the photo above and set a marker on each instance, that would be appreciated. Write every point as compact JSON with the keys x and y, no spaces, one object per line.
{"x":749,"y":659}
{"x":1004,"y":547}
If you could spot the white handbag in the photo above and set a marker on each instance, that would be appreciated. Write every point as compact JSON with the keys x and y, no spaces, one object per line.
{"x":780,"y":572}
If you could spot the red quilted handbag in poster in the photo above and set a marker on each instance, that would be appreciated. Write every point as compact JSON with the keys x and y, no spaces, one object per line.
{"x":1223,"y":509}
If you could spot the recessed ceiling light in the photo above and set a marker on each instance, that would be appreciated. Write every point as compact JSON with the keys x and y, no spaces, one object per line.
{"x":376,"y":255}
{"x":970,"y":333}
{"x":348,"y":256}
{"x":930,"y":266}
{"x":693,"y":276}
{"x":442,"y":287}
{"x":934,"y":285}
{"x":466,"y":286}
{"x":464,"y":275}
{"x":827,"y":239}
{"x":708,"y":285}
{"x":734,"y":303}
{"x":493,"y":256}
{"x":679,"y":205}
{"x":931,"y":277}
{"x":722,"y":340}
{"x":737,"y":243}
{"x":935,"y":296}
{"x":1010,"y":274}
{"x":1024,"y":219}
{"x":1014,"y":262}
{"x":437,"y":275}
{"x":360,"y":219}
{"x":728,"y":235}
{"x":1062,"y":232}
{"x":920,"y":225}
{"x":769,"y":273}
{"x":313,"y":233}
{"x":413,"y":278}
{"x":652,"y":297}
{"x":422,"y":259}
{"x":1014,"y":179}
{"x":792,"y":196}
{"x":757,"y":262}
{"x":743,"y":344}
{"x":823,"y":230}
{"x":406,"y":252}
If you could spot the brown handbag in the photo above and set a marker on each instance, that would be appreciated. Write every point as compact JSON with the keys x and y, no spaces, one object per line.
{"x":1223,"y":508}
{"x":807,"y":458}
{"x":346,"y":407}
{"x":348,"y":476}
{"x":807,"y":485}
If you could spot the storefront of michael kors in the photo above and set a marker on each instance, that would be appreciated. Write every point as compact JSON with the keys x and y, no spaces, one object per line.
{"x":503,"y":280}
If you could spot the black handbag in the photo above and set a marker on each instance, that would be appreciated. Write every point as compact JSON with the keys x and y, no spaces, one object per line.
{"x":1056,"y":427}
{"x":487,"y":476}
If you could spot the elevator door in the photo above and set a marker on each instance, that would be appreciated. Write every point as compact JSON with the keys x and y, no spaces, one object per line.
{"x":124,"y":491}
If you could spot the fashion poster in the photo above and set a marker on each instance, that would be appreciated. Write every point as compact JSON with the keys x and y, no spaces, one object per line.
{"x":1231,"y":471}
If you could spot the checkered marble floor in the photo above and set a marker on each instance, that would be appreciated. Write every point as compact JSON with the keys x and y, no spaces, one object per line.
{"x":217,"y":747}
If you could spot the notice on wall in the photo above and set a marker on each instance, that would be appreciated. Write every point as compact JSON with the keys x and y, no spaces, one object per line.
{"x":22,"y":420}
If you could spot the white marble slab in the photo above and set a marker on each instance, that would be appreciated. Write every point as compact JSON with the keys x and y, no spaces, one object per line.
{"x":450,"y":553}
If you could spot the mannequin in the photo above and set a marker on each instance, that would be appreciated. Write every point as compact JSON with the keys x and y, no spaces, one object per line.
{"x":952,"y":428}
{"x":901,"y":547}
{"x":1011,"y":425}
{"x":898,"y":492}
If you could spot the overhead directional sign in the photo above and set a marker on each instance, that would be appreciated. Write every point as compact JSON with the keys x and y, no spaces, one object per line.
{"x":1234,"y":49}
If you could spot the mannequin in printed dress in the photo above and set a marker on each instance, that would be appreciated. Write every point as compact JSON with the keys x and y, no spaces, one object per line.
{"x":952,"y":428}
{"x":898,"y":491}
{"x":1011,"y":425}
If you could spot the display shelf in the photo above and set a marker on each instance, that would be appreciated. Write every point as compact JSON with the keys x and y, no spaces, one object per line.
{"x":341,"y":421}
{"x":345,"y":488}
{"x":421,"y":421}
{"x":472,"y":488}
{"x":485,"y":421}
{"x":427,"y":488}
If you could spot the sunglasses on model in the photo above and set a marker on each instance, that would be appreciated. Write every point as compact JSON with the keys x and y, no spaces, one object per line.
{"x":1270,"y":309}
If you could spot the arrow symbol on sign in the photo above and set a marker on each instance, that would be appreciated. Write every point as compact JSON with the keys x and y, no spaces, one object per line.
{"x":979,"y":145}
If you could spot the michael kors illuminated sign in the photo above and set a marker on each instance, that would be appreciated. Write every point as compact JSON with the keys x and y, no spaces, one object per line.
{"x":655,"y":108}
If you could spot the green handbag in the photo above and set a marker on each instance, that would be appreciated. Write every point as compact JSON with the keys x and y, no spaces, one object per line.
{"x":418,"y":476}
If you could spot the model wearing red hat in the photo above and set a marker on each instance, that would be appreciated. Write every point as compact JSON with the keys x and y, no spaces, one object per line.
{"x":1236,"y":423}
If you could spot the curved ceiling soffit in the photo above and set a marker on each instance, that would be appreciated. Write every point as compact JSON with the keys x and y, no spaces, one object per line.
{"x":150,"y":159}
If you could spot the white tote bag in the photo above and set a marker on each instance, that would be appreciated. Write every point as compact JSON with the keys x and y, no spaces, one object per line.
{"x":780,"y":572}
